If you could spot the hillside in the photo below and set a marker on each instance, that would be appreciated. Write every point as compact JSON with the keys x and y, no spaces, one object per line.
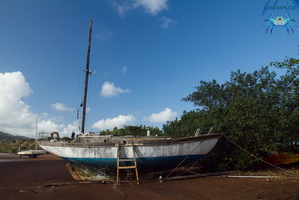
{"x":11,"y":144}
{"x":6,"y":136}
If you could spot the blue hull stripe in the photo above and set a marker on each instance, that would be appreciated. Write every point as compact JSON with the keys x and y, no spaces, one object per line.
{"x":149,"y":163}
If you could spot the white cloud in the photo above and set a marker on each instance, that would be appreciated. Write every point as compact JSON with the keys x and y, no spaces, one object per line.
{"x":163,"y":116}
{"x":151,"y":6}
{"x":121,"y":7}
{"x":166,"y":22}
{"x":60,"y":107}
{"x":49,"y":126}
{"x":110,"y":123}
{"x":109,"y":90}
{"x":16,"y":118}
{"x":67,"y":131}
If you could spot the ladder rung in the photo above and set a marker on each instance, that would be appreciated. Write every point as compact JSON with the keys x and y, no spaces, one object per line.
{"x":126,"y":160}
{"x":126,"y":167}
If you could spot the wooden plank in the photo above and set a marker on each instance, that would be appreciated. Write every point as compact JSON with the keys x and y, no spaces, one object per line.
{"x":135,"y":163}
{"x":117,"y":171}
{"x":126,"y":160}
{"x":127,"y":167}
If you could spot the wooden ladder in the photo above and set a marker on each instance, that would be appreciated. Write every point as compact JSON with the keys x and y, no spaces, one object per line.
{"x":119,"y":167}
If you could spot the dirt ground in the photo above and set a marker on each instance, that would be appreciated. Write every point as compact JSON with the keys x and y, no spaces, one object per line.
{"x":24,"y":178}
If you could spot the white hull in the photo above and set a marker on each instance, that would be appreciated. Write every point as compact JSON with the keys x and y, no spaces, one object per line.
{"x":151,"y":153}
{"x":201,"y":147}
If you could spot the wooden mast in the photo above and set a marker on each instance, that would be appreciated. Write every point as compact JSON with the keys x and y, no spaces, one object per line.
{"x":87,"y":73}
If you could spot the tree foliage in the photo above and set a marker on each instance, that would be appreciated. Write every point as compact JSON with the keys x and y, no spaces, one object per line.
{"x":187,"y":125}
{"x":259,"y":111}
{"x":12,"y":146}
{"x":133,"y":130}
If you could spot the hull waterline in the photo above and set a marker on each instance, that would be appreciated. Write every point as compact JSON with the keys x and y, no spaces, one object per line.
{"x":99,"y":153}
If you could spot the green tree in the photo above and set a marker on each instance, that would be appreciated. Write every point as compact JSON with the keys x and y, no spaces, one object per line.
{"x":186,"y":126}
{"x":259,"y":111}
{"x":138,"y":130}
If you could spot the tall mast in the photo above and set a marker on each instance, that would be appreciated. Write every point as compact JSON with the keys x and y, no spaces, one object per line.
{"x":87,"y":73}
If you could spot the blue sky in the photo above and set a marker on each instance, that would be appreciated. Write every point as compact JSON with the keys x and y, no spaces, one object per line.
{"x":145,"y":56}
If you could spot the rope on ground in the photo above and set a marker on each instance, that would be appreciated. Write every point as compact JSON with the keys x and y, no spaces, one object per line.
{"x":117,"y":189}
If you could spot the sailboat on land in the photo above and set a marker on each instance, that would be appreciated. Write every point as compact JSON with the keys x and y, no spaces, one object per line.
{"x":98,"y":157}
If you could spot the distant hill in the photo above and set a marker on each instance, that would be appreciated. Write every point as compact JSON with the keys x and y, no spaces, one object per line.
{"x":6,"y":136}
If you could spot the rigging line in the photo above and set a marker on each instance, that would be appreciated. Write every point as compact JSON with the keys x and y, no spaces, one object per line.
{"x":184,"y":159}
{"x":79,"y":98}
{"x":80,"y":78}
{"x":192,"y":167}
{"x":253,"y":154}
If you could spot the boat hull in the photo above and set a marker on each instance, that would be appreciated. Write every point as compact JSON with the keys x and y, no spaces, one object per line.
{"x":151,"y":155}
{"x":144,"y":164}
